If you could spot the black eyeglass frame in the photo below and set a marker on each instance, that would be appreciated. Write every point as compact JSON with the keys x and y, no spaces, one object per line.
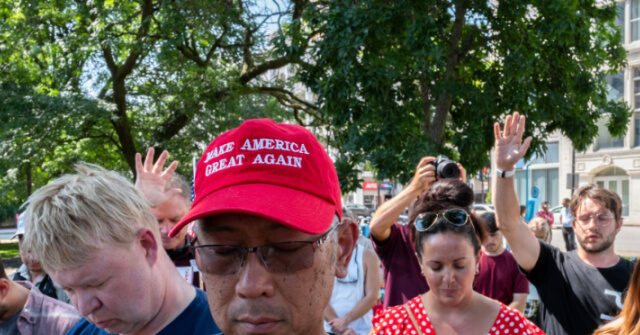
{"x":244,"y":251}
{"x":423,"y":228}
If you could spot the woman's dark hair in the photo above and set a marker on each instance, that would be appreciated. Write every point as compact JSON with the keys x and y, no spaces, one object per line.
{"x":447,"y":194}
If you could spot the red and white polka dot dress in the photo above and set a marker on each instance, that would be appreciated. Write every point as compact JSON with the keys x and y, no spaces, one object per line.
{"x":396,"y":320}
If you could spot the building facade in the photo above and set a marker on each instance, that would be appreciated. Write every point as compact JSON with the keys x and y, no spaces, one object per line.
{"x":611,"y":162}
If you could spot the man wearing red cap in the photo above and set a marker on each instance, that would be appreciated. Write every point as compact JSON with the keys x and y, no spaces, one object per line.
{"x":269,"y":238}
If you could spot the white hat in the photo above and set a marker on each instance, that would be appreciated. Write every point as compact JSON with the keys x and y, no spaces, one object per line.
{"x":20,"y":230}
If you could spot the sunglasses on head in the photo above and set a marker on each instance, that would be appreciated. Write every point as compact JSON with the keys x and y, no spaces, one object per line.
{"x":457,"y":217}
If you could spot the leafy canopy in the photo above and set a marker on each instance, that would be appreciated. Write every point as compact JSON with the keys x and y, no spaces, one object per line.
{"x":403,"y":79}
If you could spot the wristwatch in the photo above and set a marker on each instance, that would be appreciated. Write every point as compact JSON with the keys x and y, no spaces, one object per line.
{"x":505,"y":174}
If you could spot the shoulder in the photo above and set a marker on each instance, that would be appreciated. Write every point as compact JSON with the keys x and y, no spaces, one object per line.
{"x":84,"y":327}
{"x":195,"y":319}
{"x":514,"y":321}
{"x":389,"y":316}
{"x":50,"y":314}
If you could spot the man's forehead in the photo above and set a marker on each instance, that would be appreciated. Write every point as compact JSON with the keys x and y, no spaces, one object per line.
{"x":588,"y":204}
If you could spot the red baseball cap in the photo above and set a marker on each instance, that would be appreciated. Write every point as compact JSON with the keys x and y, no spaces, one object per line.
{"x":276,"y":171}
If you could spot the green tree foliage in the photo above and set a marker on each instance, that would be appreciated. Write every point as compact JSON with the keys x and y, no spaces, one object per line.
{"x":100,"y":80}
{"x":403,"y":79}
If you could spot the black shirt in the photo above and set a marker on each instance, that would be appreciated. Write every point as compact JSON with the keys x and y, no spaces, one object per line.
{"x":575,"y":297}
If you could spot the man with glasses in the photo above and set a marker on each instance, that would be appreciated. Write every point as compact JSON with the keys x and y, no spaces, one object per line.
{"x":94,"y":233}
{"x":269,"y":239}
{"x":581,"y":289}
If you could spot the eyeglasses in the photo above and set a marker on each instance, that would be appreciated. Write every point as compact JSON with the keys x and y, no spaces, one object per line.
{"x":601,"y":218}
{"x":457,"y":217}
{"x":282,"y":257}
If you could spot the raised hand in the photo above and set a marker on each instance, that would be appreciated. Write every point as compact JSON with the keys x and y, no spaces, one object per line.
{"x":509,"y":147}
{"x":152,"y":180}
{"x":425,"y":174}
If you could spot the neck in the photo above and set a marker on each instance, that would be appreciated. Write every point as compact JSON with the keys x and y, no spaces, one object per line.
{"x":16,"y":300}
{"x":498,"y":251}
{"x":604,"y":259}
{"x":178,"y":294}
{"x":437,"y":308}
{"x":36,"y":275}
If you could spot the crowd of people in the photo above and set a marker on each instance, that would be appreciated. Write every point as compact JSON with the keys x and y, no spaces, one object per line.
{"x":264,"y":248}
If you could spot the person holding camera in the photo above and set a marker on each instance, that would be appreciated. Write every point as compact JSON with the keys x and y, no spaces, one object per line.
{"x":393,"y":242}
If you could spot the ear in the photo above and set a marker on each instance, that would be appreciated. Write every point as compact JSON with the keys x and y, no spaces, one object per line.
{"x":347,"y":238}
{"x":147,"y":241}
{"x":5,"y":284}
{"x":618,"y":225}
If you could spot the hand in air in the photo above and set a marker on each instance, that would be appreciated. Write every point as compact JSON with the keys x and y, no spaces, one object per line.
{"x":152,"y":180}
{"x":509,"y":146}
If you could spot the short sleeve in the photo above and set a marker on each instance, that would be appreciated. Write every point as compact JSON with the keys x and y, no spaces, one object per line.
{"x":384,"y":248}
{"x":546,"y":260}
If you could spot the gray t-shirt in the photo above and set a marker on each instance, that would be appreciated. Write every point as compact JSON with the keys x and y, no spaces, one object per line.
{"x":10,"y":327}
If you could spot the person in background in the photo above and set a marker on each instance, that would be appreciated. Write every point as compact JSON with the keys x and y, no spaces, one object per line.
{"x":523,"y":213}
{"x":95,"y":235}
{"x":350,"y":308}
{"x":169,"y":211}
{"x":567,"y":225}
{"x":447,"y":241}
{"x":540,"y":229}
{"x":547,"y":215}
{"x":31,"y":270}
{"x":24,"y":310}
{"x":393,"y":241}
{"x":628,"y":321}
{"x":499,"y":277}
{"x":579,"y":290}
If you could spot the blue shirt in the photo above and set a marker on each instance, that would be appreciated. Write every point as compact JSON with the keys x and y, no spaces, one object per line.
{"x":195,"y":319}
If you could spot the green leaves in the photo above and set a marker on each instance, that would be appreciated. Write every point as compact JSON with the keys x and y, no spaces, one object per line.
{"x":403,"y":79}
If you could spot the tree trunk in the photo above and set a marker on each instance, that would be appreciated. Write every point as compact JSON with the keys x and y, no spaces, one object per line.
{"x":445,"y":99}
{"x":121,"y":123}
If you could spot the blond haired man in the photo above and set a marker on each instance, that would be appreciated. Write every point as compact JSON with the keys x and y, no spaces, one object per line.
{"x":97,"y":238}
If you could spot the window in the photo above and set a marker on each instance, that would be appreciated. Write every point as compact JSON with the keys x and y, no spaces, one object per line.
{"x":636,"y":128}
{"x":521,"y":184}
{"x":620,"y":19}
{"x":636,"y":88}
{"x":547,"y":181}
{"x":550,"y":156}
{"x":615,"y":92}
{"x":615,"y":85}
{"x":635,"y":20}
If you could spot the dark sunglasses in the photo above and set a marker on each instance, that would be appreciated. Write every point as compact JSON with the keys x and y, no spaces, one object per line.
{"x":457,"y":217}
{"x":282,"y":257}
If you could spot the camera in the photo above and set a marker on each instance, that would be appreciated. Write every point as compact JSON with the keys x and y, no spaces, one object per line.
{"x":445,"y":167}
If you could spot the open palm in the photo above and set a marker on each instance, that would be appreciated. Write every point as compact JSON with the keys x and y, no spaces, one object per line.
{"x":509,"y":147}
{"x":151,"y":179}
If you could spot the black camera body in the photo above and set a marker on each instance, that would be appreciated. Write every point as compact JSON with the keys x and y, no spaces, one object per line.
{"x":445,"y":167}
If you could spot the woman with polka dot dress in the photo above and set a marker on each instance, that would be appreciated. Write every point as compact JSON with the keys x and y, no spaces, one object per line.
{"x":447,"y":240}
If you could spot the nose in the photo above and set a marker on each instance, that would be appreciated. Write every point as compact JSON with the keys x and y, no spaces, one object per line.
{"x":449,"y":276}
{"x":165,"y":227}
{"x":255,"y":281}
{"x":86,"y":303}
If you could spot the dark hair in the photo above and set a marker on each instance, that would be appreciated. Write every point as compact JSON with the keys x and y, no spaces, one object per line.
{"x":489,"y":222}
{"x":2,"y":273}
{"x":609,"y":199}
{"x":523,"y":209}
{"x":545,"y":202}
{"x":447,"y":194}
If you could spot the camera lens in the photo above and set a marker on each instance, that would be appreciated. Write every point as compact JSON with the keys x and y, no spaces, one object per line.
{"x":448,"y":169}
